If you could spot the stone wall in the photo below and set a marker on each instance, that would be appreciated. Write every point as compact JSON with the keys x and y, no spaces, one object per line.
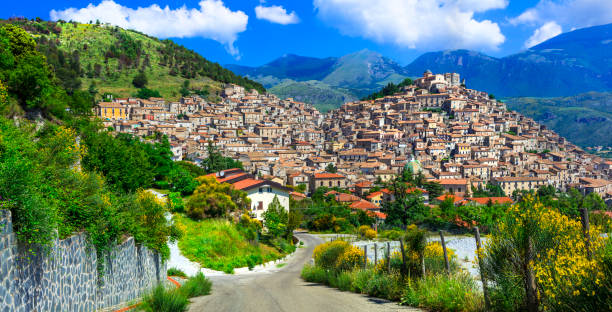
{"x":67,"y":279}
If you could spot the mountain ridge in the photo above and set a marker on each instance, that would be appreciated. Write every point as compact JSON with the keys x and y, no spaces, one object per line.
{"x":574,"y":62}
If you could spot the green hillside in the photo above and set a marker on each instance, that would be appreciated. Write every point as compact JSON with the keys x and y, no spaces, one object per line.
{"x":584,"y":119}
{"x":327,"y":82}
{"x":106,"y":59}
{"x":321,"y":95}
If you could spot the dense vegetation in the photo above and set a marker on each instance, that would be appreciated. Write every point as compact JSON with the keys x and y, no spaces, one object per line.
{"x":222,"y":245}
{"x":397,"y":277}
{"x":389,"y":89}
{"x":66,"y":174}
{"x":176,"y":300}
{"x":322,"y":213}
{"x":584,"y":119}
{"x":99,"y":59}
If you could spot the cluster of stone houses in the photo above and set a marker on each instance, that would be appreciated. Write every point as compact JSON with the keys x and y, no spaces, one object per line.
{"x":456,"y":136}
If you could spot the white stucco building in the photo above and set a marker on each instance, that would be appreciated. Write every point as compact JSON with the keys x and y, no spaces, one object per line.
{"x":260,"y":192}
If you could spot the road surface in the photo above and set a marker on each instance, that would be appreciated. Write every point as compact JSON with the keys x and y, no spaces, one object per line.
{"x":282,"y":289}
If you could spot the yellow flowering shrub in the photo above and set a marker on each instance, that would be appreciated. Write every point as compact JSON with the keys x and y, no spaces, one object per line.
{"x":434,"y":250}
{"x":566,"y":280}
{"x":350,"y":258}
{"x":326,"y":255}
{"x":370,"y":234}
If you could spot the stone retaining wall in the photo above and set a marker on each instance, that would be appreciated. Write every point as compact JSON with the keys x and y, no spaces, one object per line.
{"x":67,"y":278}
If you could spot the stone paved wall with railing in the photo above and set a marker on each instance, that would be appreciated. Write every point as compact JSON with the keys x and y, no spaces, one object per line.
{"x":66,"y":279}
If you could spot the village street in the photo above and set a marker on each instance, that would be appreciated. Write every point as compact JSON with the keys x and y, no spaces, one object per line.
{"x":282,"y":289}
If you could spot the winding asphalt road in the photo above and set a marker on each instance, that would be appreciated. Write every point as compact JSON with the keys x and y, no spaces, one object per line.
{"x":282,"y":289}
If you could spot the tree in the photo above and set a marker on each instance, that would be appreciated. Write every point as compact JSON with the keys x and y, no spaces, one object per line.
{"x":140,"y":80}
{"x":331,"y":168}
{"x":301,"y":188}
{"x":215,"y":162}
{"x":276,"y":219}
{"x":182,"y":181}
{"x":594,"y":202}
{"x":212,"y":199}
{"x":407,"y":207}
{"x":185,"y":88}
{"x":145,"y":93}
{"x":193,"y":169}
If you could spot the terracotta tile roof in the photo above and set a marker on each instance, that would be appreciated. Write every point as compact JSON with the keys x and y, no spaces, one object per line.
{"x":495,"y":200}
{"x":247,"y":183}
{"x":327,"y":175}
{"x":364,"y":184}
{"x":372,"y":195}
{"x":452,"y":181}
{"x":346,"y":198}
{"x":363,"y":205}
{"x":455,"y":199}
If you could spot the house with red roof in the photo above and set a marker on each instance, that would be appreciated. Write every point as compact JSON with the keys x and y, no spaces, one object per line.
{"x":261,"y":192}
{"x":493,"y":200}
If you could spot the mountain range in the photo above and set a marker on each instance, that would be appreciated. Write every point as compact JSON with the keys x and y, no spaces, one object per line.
{"x":568,"y":64}
{"x":325,"y":82}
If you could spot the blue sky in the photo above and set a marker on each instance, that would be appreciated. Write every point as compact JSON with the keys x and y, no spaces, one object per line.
{"x":253,"y":32}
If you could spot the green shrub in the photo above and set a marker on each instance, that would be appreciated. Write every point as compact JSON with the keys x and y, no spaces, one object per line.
{"x":391,"y":234}
{"x":196,"y":286}
{"x":361,"y":279}
{"x":443,"y":293}
{"x":344,"y":281}
{"x":326,"y":255}
{"x":314,"y":274}
{"x":175,"y":202}
{"x":388,"y":286}
{"x":176,"y":272}
{"x":163,"y":300}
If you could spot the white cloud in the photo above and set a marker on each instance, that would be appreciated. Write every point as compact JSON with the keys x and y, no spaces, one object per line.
{"x":543,"y":33}
{"x":212,"y":20}
{"x":421,"y":24}
{"x":276,"y":14}
{"x":568,"y":13}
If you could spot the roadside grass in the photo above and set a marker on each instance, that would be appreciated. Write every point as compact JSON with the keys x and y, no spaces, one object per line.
{"x":219,"y":245}
{"x":162,"y":299}
{"x":196,"y":286}
{"x":176,"y":272}
{"x":280,"y":265}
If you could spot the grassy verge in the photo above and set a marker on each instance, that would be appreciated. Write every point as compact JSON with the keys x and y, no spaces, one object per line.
{"x":220,"y":245}
{"x":176,"y":300}
{"x":340,"y":265}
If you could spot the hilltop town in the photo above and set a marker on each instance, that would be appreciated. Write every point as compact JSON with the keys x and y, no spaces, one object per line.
{"x":458,"y":137}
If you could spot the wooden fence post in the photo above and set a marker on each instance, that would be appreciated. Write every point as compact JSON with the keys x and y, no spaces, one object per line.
{"x":375,"y":253}
{"x":388,"y":257}
{"x":445,"y":253}
{"x":485,"y":291}
{"x":584,"y":214}
{"x":365,"y":257}
{"x":403,"y":270}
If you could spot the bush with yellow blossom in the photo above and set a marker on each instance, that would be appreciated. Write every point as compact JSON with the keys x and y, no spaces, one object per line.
{"x":326,"y":255}
{"x":351,"y":258}
{"x":537,"y":241}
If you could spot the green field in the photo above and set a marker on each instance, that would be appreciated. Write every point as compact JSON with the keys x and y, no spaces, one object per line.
{"x":219,"y":245}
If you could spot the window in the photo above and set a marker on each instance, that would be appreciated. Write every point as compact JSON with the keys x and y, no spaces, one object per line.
{"x":261,"y":190}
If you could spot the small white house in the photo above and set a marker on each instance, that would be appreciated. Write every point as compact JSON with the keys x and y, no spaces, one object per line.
{"x":260,"y":192}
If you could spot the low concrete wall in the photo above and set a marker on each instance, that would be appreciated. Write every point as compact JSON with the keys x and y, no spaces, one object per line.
{"x":67,"y":278}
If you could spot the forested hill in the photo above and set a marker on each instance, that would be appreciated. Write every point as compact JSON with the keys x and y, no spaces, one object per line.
{"x":106,"y":59}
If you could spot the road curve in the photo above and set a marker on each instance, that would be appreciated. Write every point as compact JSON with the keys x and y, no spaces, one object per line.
{"x":283,"y":290}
